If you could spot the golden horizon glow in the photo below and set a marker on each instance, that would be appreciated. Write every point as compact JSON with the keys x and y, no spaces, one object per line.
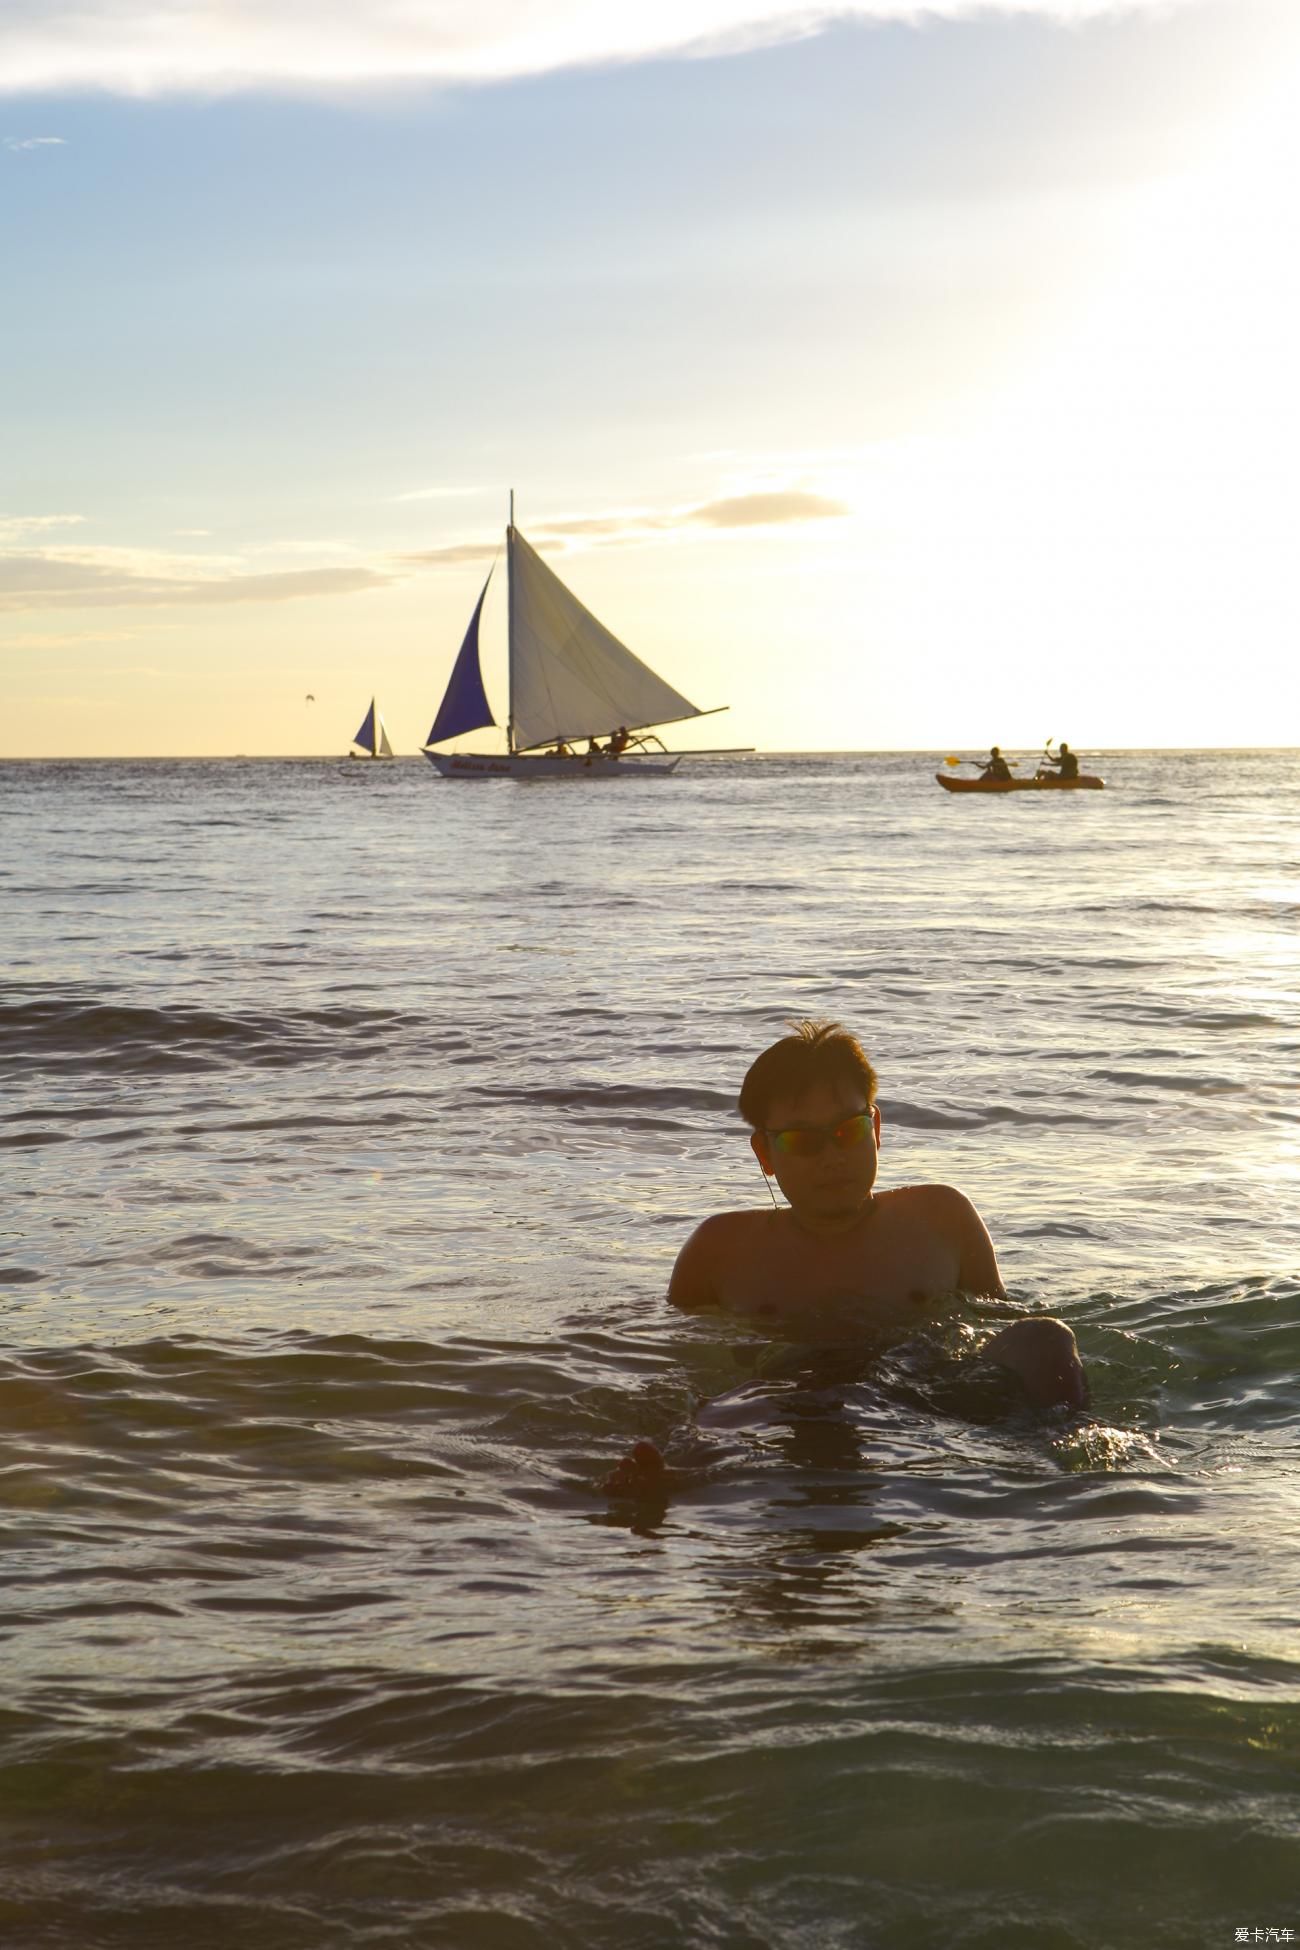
{"x":1085,"y":525}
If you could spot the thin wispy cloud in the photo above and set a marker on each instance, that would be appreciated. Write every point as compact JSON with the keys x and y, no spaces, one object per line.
{"x":449,"y":557}
{"x":17,"y":528}
{"x":40,"y":579}
{"x":138,"y":47}
{"x":768,"y":510}
{"x":17,"y":143}
{"x":64,"y":576}
{"x":774,"y":508}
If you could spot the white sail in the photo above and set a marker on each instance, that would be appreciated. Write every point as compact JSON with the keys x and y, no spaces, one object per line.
{"x":569,"y":676}
{"x":385,"y":749}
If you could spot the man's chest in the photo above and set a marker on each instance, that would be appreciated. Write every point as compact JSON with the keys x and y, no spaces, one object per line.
{"x":882,"y":1267}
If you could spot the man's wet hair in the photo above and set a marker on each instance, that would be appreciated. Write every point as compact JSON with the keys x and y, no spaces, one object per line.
{"x":815,"y":1052}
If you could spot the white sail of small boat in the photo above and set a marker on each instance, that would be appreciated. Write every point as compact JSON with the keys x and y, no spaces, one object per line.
{"x":372,"y":736}
{"x":572,"y":684}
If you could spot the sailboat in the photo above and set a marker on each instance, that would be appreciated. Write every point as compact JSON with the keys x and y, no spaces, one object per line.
{"x":571,"y":684}
{"x":372,"y":736}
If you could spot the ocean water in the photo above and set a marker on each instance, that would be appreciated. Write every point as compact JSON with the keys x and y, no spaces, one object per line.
{"x":351,"y":1121}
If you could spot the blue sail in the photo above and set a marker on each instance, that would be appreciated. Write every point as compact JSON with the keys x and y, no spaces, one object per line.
{"x":366,"y":735}
{"x":464,"y":704}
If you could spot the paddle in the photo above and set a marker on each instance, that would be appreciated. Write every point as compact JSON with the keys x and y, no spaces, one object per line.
{"x":951,"y":760}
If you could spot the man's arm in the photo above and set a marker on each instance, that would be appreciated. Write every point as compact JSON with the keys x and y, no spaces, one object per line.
{"x":694,"y":1276}
{"x":1041,"y":1353}
{"x":977,"y":1262}
{"x":642,"y":1474}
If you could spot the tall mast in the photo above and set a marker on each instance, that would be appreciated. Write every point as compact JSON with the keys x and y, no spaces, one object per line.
{"x":510,"y":630}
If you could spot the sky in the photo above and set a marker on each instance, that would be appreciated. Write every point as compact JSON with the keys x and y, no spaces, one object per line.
{"x":900,"y":376}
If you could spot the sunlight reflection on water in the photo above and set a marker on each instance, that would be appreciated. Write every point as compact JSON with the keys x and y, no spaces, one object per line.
{"x":350,"y":1135}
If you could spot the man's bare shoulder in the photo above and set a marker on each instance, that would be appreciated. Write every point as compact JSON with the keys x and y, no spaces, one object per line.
{"x":939,"y":1202}
{"x":713,"y":1246}
{"x":725,"y":1226}
{"x":946,"y":1213}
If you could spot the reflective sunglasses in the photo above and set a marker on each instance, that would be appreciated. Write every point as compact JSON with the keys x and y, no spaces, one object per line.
{"x":810,"y":1140}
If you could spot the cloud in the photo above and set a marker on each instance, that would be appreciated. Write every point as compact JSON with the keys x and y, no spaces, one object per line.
{"x":15,"y":528}
{"x":771,"y":508}
{"x":633,"y":525}
{"x":16,"y":143}
{"x":625,"y":527}
{"x":768,"y":510}
{"x":124,"y":578}
{"x":138,"y":47}
{"x":65,"y":576}
{"x":433,"y":558}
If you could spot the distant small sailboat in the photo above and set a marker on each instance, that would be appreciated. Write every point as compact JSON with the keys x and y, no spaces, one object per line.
{"x":372,"y":736}
{"x":570,"y":680}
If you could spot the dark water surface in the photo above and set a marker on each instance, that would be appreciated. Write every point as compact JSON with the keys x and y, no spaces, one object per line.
{"x":350,"y":1123}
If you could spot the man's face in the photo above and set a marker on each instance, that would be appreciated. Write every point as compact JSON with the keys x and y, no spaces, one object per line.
{"x":830,"y":1187}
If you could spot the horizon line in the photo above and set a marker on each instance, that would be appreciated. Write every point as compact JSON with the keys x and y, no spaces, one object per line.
{"x":786,"y":751}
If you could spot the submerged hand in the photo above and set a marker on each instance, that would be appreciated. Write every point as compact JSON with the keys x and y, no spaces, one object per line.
{"x":641,"y":1473}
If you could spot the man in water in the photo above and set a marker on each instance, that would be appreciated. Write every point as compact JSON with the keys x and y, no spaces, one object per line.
{"x":889,"y":1260}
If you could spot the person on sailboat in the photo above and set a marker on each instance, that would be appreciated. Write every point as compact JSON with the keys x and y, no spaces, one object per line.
{"x":1064,"y":766}
{"x":996,"y":766}
{"x":619,"y":741}
{"x":887,"y":1261}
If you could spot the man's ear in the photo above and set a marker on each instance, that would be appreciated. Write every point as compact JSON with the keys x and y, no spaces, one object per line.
{"x":762,"y":1150}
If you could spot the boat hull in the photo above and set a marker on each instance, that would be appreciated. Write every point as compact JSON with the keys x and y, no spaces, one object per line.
{"x":528,"y":765}
{"x":1084,"y":783}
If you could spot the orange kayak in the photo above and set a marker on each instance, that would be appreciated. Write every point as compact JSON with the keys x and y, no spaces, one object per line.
{"x":1084,"y":783}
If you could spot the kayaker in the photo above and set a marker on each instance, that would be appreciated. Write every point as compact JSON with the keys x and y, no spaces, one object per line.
{"x":996,"y":766}
{"x":1064,"y":766}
